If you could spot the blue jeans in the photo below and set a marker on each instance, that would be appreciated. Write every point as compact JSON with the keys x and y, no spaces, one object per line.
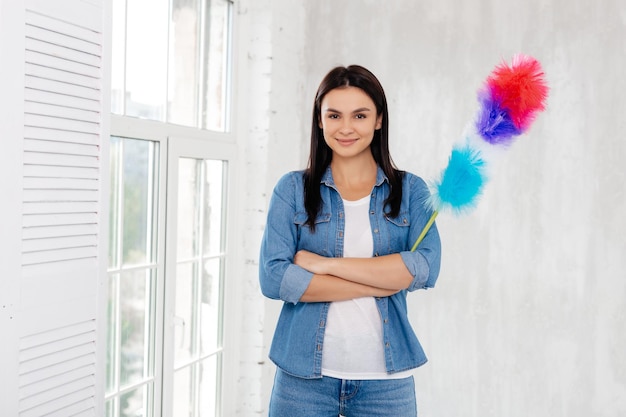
{"x":329,"y":397}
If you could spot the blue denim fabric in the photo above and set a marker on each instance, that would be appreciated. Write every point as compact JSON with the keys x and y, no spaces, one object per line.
{"x":299,"y":335}
{"x":329,"y":397}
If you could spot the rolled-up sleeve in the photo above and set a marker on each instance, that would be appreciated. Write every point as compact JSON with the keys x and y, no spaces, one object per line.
{"x":423,"y":263}
{"x":279,"y":277}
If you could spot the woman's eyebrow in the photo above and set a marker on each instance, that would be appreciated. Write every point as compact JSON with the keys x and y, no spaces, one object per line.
{"x":359,"y":110}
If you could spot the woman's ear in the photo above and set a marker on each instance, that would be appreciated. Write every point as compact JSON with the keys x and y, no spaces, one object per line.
{"x":379,"y":122}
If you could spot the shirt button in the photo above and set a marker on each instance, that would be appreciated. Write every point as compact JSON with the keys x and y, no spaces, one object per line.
{"x":385,"y":321}
{"x":404,"y":221}
{"x":375,"y":230}
{"x":372,"y":212}
{"x":387,"y":344}
{"x":319,"y":347}
{"x":376,"y":254}
{"x":340,"y":234}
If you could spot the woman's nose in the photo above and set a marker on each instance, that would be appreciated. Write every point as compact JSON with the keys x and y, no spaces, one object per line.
{"x":346,"y":126}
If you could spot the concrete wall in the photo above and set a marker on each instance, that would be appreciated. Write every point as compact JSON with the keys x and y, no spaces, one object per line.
{"x":529,"y":315}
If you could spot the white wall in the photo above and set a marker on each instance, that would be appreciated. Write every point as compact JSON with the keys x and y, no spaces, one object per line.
{"x":271,"y":37}
{"x":529,"y":314}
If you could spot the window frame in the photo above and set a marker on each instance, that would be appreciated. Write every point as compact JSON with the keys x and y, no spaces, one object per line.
{"x":222,"y":146}
{"x":227,"y":142}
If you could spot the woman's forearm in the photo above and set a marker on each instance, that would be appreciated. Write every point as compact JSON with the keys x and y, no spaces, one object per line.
{"x":387,"y":272}
{"x":326,"y":288}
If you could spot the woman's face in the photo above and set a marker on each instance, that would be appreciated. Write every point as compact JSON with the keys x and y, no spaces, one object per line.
{"x":348,"y":119}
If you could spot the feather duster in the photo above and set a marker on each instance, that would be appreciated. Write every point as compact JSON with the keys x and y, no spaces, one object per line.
{"x":509,"y":102}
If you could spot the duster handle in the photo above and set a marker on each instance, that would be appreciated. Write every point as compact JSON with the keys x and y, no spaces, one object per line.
{"x":425,"y":230}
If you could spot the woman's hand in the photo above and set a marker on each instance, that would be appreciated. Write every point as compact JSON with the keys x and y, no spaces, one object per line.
{"x":311,"y":262}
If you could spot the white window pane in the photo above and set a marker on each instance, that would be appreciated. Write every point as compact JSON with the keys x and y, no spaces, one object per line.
{"x":139,"y":210}
{"x":210,"y":307}
{"x":114,"y":212}
{"x":213,"y":207}
{"x":109,"y":408}
{"x":112,"y":334}
{"x":188,"y":208}
{"x":216,"y":65}
{"x":183,"y":401}
{"x":135,"y":403}
{"x":136,"y":334}
{"x":183,"y":92}
{"x":146,"y":58}
{"x":118,"y":40}
{"x":184,"y":322}
{"x":208,"y":389}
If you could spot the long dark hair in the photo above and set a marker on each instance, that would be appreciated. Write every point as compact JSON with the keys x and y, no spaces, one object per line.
{"x":320,"y":154}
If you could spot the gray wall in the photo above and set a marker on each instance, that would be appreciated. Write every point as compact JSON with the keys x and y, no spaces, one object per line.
{"x":528,"y":317}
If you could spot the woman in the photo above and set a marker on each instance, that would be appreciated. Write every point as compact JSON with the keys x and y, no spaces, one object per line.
{"x":336,"y":250}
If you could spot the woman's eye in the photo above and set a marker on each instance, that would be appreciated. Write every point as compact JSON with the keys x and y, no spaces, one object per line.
{"x":333,"y":116}
{"x":360,"y":116}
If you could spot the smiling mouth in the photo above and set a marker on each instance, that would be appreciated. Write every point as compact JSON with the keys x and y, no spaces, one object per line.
{"x":346,"y":142}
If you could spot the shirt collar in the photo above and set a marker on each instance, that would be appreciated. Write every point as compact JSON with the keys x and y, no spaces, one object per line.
{"x":328,"y":180}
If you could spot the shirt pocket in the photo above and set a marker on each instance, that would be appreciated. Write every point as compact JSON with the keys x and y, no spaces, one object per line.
{"x":316,"y":241}
{"x":398,"y":232}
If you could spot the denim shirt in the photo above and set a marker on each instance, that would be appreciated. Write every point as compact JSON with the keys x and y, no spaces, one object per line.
{"x":299,"y":335}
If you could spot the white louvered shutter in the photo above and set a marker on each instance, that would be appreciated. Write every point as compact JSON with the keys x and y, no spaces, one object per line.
{"x":61,"y":243}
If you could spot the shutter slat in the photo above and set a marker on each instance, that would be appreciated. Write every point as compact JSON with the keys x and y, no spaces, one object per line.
{"x":51,"y":110}
{"x":41,"y":338}
{"x":83,"y":408}
{"x":62,"y":52}
{"x":49,"y":61}
{"x":61,"y":405}
{"x":68,"y":148}
{"x":51,"y":24}
{"x":38,"y":220}
{"x":60,"y":171}
{"x":56,"y":358}
{"x":80,"y":365}
{"x":61,"y":39}
{"x":60,"y":207}
{"x":36,"y":245}
{"x":42,"y":183}
{"x":54,"y":159}
{"x":56,"y":345}
{"x":59,"y":231}
{"x":41,"y":71}
{"x":59,"y":99}
{"x":36,"y":399}
{"x":60,"y":87}
{"x":59,"y":195}
{"x":33,"y":258}
{"x":58,"y":123}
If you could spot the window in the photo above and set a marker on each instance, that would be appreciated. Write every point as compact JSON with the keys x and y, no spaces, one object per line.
{"x":134,"y":273}
{"x":172,"y":173}
{"x":171,"y":64}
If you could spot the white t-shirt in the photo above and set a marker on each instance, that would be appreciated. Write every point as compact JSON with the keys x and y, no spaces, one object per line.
{"x":353,"y":340}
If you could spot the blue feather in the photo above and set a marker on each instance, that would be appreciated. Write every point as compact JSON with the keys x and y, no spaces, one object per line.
{"x":461,"y":183}
{"x":494,"y":123}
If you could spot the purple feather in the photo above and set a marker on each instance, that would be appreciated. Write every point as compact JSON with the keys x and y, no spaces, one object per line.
{"x":494,"y":123}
